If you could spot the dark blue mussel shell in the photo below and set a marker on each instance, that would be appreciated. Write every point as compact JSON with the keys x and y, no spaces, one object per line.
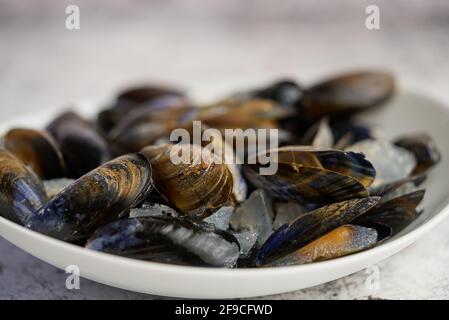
{"x":21,"y":191}
{"x":312,"y":225}
{"x":95,"y":199}
{"x":168,"y":240}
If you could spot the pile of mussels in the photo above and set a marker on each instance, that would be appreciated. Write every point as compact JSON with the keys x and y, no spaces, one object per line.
{"x":109,"y":184}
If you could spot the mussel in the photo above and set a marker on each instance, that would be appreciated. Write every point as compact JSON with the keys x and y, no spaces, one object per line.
{"x":315,"y":175}
{"x":167,"y":240}
{"x":134,"y":98}
{"x":392,"y":163}
{"x":21,"y":191}
{"x":197,"y":185}
{"x":38,"y":150}
{"x":242,"y":113}
{"x":310,"y":226}
{"x":143,"y":126}
{"x":95,"y":199}
{"x":285,"y":92}
{"x":339,"y":242}
{"x":81,"y":145}
{"x":396,"y":213}
{"x":423,"y":147}
{"x":346,"y":94}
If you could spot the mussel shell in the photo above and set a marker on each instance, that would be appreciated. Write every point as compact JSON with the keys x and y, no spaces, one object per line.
{"x":315,"y":175}
{"x":392,"y":163}
{"x":424,"y":148}
{"x":339,"y":242}
{"x":347,"y":94}
{"x":167,"y":240}
{"x":95,"y":199}
{"x":82,"y":146}
{"x":143,"y":126}
{"x":310,"y":226}
{"x":285,"y":92}
{"x":38,"y":150}
{"x":134,"y":98}
{"x":242,"y":113}
{"x":396,"y":213}
{"x":21,"y":191}
{"x":196,"y":188}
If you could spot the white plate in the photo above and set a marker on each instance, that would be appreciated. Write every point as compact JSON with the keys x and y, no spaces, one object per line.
{"x":406,"y":113}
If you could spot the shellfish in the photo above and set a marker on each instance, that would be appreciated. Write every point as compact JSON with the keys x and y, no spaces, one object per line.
{"x":167,"y":240}
{"x":38,"y":150}
{"x":315,"y":175}
{"x":81,"y":145}
{"x":197,"y":186}
{"x":95,"y":199}
{"x":310,"y":226}
{"x":21,"y":191}
{"x":347,"y":94}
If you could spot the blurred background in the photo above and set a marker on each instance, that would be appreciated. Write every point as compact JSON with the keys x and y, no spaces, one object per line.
{"x":210,"y":47}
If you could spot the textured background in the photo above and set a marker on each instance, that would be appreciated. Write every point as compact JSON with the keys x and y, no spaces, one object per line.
{"x":210,"y":48}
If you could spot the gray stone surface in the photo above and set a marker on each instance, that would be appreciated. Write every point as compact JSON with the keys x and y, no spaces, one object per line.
{"x":204,"y":48}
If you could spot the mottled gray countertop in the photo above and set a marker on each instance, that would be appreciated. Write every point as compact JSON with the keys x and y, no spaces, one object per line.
{"x":43,"y":65}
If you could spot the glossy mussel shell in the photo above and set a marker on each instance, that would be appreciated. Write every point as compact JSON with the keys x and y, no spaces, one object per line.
{"x":38,"y":150}
{"x":396,"y":213}
{"x":310,"y":226}
{"x":167,"y":240}
{"x":347,"y":94}
{"x":196,"y":187}
{"x":339,"y":242}
{"x":315,"y":175}
{"x":83,"y":148}
{"x":95,"y":199}
{"x":21,"y":191}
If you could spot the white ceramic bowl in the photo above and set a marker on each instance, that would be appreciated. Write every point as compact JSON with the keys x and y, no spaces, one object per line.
{"x":405,"y":113}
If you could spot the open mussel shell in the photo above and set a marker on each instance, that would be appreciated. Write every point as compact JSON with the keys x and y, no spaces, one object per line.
{"x":21,"y":191}
{"x":339,"y":242}
{"x":167,"y":240}
{"x":309,"y":174}
{"x":396,"y":213}
{"x":95,"y":199}
{"x":82,"y":146}
{"x":38,"y":150}
{"x":347,"y":94}
{"x":311,"y":226}
{"x":191,"y":178}
{"x":424,"y":148}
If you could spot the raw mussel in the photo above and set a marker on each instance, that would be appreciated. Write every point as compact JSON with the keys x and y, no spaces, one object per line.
{"x":424,"y":149}
{"x":167,"y":240}
{"x":21,"y":191}
{"x":347,"y":94}
{"x":396,"y":213}
{"x":135,"y":98}
{"x":315,"y":175}
{"x":310,"y":226}
{"x":191,"y":178}
{"x":339,"y":242}
{"x":144,"y":126}
{"x":99,"y":197}
{"x":82,"y":146}
{"x":38,"y":150}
